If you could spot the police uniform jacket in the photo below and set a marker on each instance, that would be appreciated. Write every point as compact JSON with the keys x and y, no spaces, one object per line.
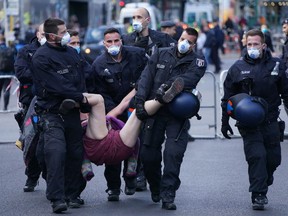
{"x":57,"y":74}
{"x":114,"y":80}
{"x":163,"y":68}
{"x":159,"y":39}
{"x":23,"y":62}
{"x":267,"y":80}
{"x":23,"y":72}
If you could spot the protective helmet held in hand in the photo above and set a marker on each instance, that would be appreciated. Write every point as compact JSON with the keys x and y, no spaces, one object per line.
{"x":186,"y":104}
{"x":250,"y":111}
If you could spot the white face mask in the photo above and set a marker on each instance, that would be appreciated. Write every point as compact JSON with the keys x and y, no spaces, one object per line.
{"x":65,"y":39}
{"x":137,"y":26}
{"x":114,"y":50}
{"x":253,"y":53}
{"x":43,"y":41}
{"x":183,"y":46}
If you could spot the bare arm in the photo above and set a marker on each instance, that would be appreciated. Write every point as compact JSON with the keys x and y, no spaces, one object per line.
{"x":123,"y":104}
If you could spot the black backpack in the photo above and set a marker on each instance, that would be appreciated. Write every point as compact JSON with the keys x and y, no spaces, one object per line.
{"x":7,"y":59}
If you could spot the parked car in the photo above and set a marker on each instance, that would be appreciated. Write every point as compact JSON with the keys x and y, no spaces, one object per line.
{"x":93,"y":40}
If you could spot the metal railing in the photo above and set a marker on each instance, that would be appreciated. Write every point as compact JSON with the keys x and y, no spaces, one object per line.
{"x":13,"y":87}
{"x":210,"y":106}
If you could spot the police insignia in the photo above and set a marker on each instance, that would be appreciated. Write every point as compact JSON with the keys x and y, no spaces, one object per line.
{"x":200,"y":62}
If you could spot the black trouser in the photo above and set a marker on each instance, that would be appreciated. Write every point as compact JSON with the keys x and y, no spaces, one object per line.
{"x":215,"y":58}
{"x":63,"y":153}
{"x":151,"y":154}
{"x":263,"y":154}
{"x":33,"y":169}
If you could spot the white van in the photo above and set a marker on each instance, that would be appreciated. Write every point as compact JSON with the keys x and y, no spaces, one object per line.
{"x":126,"y":13}
{"x":195,"y":11}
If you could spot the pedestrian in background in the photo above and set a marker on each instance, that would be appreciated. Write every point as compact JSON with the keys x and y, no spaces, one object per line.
{"x":57,"y":75}
{"x":285,"y":46}
{"x":115,"y":74}
{"x":181,"y":61}
{"x":262,"y":77}
{"x":7,"y":57}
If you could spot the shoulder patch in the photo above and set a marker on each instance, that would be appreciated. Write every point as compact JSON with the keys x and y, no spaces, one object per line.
{"x":200,"y":62}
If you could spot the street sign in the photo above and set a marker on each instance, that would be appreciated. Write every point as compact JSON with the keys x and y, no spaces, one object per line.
{"x":12,"y":7}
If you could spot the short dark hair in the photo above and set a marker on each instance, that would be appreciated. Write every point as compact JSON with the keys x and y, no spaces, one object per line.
{"x":51,"y":25}
{"x":285,"y":21}
{"x":73,"y":33}
{"x":111,"y":30}
{"x":192,"y":31}
{"x":255,"y":32}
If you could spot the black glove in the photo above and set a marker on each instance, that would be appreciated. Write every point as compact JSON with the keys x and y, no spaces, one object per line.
{"x":85,"y":107}
{"x":161,"y":92}
{"x":140,"y":110}
{"x":225,"y":126}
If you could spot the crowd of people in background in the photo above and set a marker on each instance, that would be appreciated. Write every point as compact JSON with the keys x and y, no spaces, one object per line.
{"x":53,"y":70}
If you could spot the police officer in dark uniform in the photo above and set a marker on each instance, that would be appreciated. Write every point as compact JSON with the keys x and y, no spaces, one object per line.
{"x":115,"y":74}
{"x":145,"y":37}
{"x":260,"y":75}
{"x":57,"y":74}
{"x":23,"y":64}
{"x":148,"y":39}
{"x":163,"y":67}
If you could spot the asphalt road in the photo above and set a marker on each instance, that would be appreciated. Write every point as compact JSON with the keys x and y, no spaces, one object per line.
{"x":213,"y":174}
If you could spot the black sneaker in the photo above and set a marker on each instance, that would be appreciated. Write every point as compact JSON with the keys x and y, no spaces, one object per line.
{"x":141,"y":183}
{"x":155,"y":197}
{"x":113,"y":195}
{"x":169,"y":206}
{"x":176,"y":87}
{"x":130,"y":186}
{"x":75,"y":203}
{"x":30,"y":185}
{"x":259,"y":201}
{"x":59,"y":206}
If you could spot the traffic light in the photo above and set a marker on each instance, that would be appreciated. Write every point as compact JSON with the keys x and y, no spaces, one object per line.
{"x":121,"y":3}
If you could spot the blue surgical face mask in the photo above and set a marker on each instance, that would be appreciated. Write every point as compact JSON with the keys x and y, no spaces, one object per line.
{"x":77,"y":49}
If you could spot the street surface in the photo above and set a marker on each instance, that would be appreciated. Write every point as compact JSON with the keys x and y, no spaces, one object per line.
{"x":214,"y":179}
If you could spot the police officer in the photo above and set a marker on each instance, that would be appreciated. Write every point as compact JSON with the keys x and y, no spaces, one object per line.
{"x":168,"y":27}
{"x":149,"y":39}
{"x":75,"y":43}
{"x":163,"y":67}
{"x":57,"y":74}
{"x":115,"y":74}
{"x":145,"y":37}
{"x":23,"y":64}
{"x":261,"y":75}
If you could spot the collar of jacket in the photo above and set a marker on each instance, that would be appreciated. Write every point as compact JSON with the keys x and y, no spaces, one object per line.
{"x":266,"y":56}
{"x":60,"y":48}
